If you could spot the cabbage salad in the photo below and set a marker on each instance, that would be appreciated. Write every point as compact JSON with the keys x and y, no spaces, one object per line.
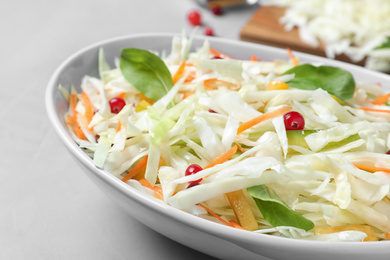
{"x":275,"y":147}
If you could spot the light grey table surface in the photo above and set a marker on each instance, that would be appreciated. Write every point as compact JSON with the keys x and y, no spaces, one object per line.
{"x":48,"y":208}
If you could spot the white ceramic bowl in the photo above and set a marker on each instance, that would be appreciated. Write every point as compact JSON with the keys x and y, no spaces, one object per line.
{"x":211,"y":238}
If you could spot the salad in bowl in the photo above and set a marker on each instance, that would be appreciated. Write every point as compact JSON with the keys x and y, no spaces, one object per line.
{"x":278,"y":147}
{"x":235,"y":149}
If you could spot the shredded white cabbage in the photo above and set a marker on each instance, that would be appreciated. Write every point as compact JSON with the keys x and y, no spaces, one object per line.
{"x":315,"y":175}
{"x":350,"y":27}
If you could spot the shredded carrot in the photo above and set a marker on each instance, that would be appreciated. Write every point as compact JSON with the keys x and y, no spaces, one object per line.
{"x":89,"y":110}
{"x":73,"y":102}
{"x":145,"y":183}
{"x":71,"y":120}
{"x":122,"y":95}
{"x":374,"y":110}
{"x":254,"y":58}
{"x":219,"y":54}
{"x":292,"y":56}
{"x":190,"y":77}
{"x":235,"y":224}
{"x":248,"y":124}
{"x":215,"y":215}
{"x":119,"y":126}
{"x":241,"y":149}
{"x":208,"y":83}
{"x":388,"y":235}
{"x":224,"y":157}
{"x":158,"y":193}
{"x":179,"y":72}
{"x":158,"y":196}
{"x":136,"y":169}
{"x":187,"y":94}
{"x":213,"y":83}
{"x":382,"y":99}
{"x":372,"y":168}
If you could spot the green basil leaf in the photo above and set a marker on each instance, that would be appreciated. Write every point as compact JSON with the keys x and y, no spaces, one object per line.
{"x":275,"y":211}
{"x":335,"y":81}
{"x":384,"y":45}
{"x":146,"y":72}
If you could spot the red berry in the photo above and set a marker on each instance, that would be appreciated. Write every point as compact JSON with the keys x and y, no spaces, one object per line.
{"x":192,"y":169}
{"x":217,"y":10}
{"x":388,"y":152}
{"x":294,"y":121}
{"x":194,"y":17}
{"x":208,"y":31}
{"x":116,"y":104}
{"x":192,"y":184}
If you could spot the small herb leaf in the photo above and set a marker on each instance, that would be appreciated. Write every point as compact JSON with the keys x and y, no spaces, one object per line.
{"x":384,"y":45}
{"x":335,"y":81}
{"x":275,"y":211}
{"x":146,"y":72}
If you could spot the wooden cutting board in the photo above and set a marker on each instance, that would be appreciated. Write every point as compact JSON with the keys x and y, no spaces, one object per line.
{"x":264,"y":27}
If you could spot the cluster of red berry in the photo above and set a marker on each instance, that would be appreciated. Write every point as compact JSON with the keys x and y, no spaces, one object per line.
{"x":194,"y":17}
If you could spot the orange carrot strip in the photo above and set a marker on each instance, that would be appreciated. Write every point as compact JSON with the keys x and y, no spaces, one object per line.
{"x":157,"y":190}
{"x":248,"y":124}
{"x":73,"y":102}
{"x":88,"y":107}
{"x":136,"y":169}
{"x":158,"y":196}
{"x":224,"y":157}
{"x":388,"y":235}
{"x":146,"y":184}
{"x":187,"y":94}
{"x":372,"y":168}
{"x":122,"y":95}
{"x":382,"y":99}
{"x":213,"y":83}
{"x":119,"y":126}
{"x":374,"y":110}
{"x":71,"y":120}
{"x":215,"y":215}
{"x":179,"y":72}
{"x":190,"y":78}
{"x":219,"y":54}
{"x":208,"y":83}
{"x":235,"y":224}
{"x":240,"y":149}
{"x":292,"y":56}
{"x":254,"y":58}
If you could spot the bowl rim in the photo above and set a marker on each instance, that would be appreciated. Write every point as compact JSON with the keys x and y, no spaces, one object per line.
{"x":240,"y":237}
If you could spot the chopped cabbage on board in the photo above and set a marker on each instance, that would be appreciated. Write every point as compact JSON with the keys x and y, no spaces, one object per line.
{"x":358,"y":29}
